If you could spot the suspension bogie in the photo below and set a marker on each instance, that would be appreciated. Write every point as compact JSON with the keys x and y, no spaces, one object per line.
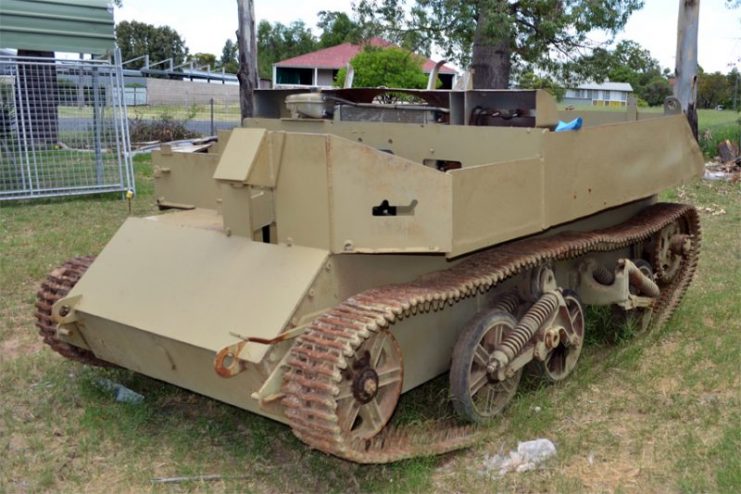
{"x":541,"y":322}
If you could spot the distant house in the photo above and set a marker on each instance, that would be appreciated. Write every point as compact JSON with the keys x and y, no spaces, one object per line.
{"x":319,"y":68}
{"x":604,"y":94}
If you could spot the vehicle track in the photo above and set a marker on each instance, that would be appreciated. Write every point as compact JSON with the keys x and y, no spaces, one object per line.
{"x":319,"y":355}
{"x":56,"y":286}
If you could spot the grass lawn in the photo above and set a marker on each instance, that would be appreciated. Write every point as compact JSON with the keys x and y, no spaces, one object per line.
{"x":657,"y":413}
{"x":717,"y":126}
{"x":222,"y":110}
{"x":62,"y":169}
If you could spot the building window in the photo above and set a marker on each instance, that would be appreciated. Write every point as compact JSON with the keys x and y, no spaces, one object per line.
{"x":303,"y":77}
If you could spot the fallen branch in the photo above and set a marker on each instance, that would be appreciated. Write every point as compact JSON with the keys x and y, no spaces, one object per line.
{"x":195,"y":478}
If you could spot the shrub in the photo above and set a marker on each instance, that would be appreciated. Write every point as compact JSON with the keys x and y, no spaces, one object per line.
{"x":712,"y":136}
{"x":163,"y":129}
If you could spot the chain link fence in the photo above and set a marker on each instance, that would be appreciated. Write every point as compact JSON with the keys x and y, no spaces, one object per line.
{"x":63,"y":128}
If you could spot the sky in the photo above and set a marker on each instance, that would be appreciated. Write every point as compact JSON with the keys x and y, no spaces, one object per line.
{"x":205,"y":26}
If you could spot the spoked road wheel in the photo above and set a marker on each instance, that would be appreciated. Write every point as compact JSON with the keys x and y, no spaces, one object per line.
{"x":559,"y":363}
{"x":477,"y":397}
{"x":370,"y":387}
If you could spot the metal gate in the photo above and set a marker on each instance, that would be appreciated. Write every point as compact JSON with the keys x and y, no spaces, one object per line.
{"x":63,"y":128}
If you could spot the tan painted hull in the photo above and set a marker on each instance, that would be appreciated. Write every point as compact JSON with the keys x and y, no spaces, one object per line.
{"x":281,"y":226}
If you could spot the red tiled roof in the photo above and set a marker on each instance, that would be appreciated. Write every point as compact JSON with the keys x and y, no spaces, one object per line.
{"x":336,"y":57}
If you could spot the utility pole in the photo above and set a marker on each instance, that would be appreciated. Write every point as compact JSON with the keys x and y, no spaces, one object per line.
{"x":685,"y":87}
{"x":247,"y":74}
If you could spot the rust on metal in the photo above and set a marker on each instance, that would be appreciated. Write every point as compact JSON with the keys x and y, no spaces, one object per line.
{"x":311,"y":382}
{"x":56,"y":286}
{"x":228,"y":363}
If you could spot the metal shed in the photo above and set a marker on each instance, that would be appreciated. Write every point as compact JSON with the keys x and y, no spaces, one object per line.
{"x":77,"y":26}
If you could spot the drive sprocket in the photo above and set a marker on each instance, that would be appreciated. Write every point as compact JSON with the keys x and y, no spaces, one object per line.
{"x":57,"y":285}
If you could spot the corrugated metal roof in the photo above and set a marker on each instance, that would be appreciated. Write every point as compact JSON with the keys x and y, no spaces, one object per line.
{"x":77,"y":26}
{"x":607,"y":86}
{"x":336,"y":57}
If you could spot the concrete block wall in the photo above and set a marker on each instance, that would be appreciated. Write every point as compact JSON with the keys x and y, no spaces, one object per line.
{"x":170,"y":92}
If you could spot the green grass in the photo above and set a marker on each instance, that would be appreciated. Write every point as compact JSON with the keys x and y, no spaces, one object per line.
{"x":713,"y":118}
{"x":222,"y":110}
{"x":60,"y":168}
{"x":717,"y":126}
{"x":654,"y":413}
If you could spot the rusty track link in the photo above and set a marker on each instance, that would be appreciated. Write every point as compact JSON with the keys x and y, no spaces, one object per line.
{"x":319,"y":355}
{"x":56,"y":286}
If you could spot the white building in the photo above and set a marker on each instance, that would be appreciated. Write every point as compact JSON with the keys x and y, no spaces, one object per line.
{"x":603,"y":94}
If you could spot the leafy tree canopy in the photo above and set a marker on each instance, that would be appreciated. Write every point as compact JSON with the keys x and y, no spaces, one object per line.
{"x":655,"y":91}
{"x":626,"y":62}
{"x":390,"y":67}
{"x":277,"y":42}
{"x":203,"y":60}
{"x":716,"y":89}
{"x":493,"y":36}
{"x":627,"y":59}
{"x":337,"y":28}
{"x":530,"y":80}
{"x":159,"y":42}
{"x":229,"y":60}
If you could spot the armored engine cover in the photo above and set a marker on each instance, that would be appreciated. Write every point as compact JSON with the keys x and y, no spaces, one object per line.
{"x":194,"y":286}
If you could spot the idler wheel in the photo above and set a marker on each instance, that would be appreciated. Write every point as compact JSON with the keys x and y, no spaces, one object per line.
{"x":370,"y":387}
{"x":478,"y":397}
{"x":668,"y":249}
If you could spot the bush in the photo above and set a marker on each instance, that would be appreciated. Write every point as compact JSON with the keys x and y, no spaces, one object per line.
{"x":656,"y":91}
{"x":390,"y":67}
{"x":163,"y":129}
{"x":712,"y":136}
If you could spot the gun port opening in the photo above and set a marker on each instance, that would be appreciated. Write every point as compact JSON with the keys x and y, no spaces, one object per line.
{"x":387,"y":209}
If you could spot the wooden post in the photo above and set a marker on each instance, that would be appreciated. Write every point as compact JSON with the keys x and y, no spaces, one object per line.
{"x":247,"y":74}
{"x":685,"y":87}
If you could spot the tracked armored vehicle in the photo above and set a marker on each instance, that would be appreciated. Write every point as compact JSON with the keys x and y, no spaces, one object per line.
{"x":335,"y":252}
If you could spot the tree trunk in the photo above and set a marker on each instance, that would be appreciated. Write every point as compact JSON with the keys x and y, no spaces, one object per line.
{"x":38,"y":85}
{"x":247,"y":74}
{"x":491,"y":62}
{"x":685,"y":87}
